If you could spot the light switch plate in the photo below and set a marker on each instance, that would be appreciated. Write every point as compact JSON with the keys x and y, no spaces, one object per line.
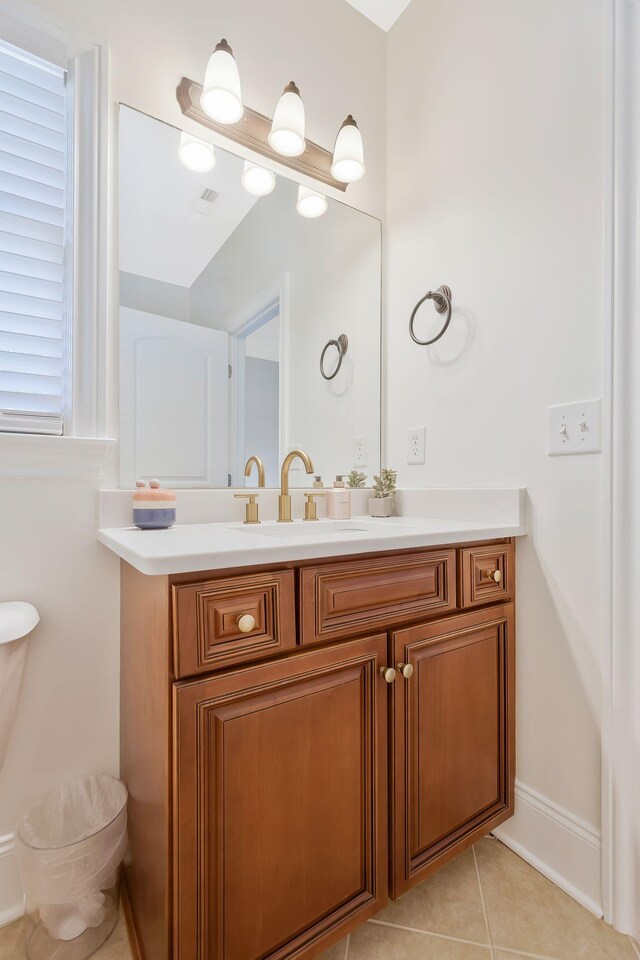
{"x":360,"y":451}
{"x":575,"y":428}
{"x":416,"y":442}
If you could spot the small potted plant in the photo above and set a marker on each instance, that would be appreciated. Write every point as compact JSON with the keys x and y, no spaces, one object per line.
{"x":356,"y":479}
{"x":384,"y":488}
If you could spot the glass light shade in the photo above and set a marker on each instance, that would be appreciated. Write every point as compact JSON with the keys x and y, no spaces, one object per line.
{"x":221,"y":96}
{"x":257,"y":180}
{"x":310,"y":203}
{"x":196,"y":154}
{"x":287,"y":128}
{"x":348,"y":153}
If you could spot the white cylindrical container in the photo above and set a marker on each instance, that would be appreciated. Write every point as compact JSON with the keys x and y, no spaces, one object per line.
{"x":17,"y":620}
{"x":69,"y":849}
{"x":339,"y":500}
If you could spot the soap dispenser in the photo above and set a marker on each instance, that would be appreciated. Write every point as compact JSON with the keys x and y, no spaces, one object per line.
{"x":339,"y":500}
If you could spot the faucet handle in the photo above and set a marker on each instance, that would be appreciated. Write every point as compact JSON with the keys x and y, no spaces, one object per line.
{"x":251,"y":509}
{"x":310,"y":509}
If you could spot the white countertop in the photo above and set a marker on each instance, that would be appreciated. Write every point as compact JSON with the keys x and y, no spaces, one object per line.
{"x":189,"y":548}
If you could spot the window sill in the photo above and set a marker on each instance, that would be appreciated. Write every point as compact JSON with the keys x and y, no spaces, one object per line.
{"x":34,"y":455}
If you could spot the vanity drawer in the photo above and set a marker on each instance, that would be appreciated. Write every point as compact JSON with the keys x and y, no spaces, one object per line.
{"x":343,"y":599}
{"x":487,"y":574}
{"x":206,"y":631}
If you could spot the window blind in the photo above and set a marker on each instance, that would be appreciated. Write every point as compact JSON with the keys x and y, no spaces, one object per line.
{"x":33,"y":163}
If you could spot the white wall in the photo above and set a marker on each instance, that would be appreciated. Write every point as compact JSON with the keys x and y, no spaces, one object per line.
{"x":495,"y":187}
{"x":154,"y":296}
{"x":495,"y":159}
{"x":67,"y":722}
{"x":68,"y":714}
{"x":335,"y":55}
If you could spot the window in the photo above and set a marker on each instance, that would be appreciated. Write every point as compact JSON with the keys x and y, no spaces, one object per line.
{"x":33,"y":226}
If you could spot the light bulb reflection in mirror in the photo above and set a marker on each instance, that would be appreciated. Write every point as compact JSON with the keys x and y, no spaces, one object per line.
{"x":196,"y":154}
{"x":257,"y":180}
{"x":310,"y":203}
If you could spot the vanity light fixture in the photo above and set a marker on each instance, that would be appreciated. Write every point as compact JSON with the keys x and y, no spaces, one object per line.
{"x":287,"y":128}
{"x":218,"y":106}
{"x":257,"y":180}
{"x":348,"y":153}
{"x":221,"y":96}
{"x":310,"y":203}
{"x":196,"y":154}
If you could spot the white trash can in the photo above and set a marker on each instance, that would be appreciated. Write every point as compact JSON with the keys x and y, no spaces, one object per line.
{"x":69,"y":851}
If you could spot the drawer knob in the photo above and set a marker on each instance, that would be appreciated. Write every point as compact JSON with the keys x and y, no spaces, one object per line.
{"x":388,"y":674}
{"x":246,"y":623}
{"x":406,"y":669}
{"x":495,"y":575}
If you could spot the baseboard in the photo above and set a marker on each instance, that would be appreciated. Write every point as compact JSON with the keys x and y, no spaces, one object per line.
{"x":560,"y":846}
{"x":11,"y":896}
{"x":132,"y":933}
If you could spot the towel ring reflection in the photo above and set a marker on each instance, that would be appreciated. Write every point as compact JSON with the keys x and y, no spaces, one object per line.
{"x":442,"y":302}
{"x":341,"y":345}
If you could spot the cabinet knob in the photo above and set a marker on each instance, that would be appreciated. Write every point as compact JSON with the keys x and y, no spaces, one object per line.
{"x":406,"y":669}
{"x":388,"y":674}
{"x":495,"y":575}
{"x":246,"y":623}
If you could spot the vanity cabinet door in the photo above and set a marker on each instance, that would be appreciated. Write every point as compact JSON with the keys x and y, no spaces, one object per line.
{"x":280,"y":804}
{"x":453,"y":741}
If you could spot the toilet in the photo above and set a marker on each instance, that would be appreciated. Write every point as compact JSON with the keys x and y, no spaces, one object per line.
{"x":17,"y":620}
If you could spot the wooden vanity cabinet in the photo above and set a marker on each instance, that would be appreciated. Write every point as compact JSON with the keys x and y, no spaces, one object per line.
{"x":280,"y":788}
{"x":280,"y":803}
{"x":452,"y":743}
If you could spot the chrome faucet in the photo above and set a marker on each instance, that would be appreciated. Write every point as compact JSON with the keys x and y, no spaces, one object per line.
{"x":284,"y":500}
{"x":259,"y":464}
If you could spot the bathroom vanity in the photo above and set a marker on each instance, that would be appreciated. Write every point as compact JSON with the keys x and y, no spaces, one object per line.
{"x":304,"y":739}
{"x":314,"y":716}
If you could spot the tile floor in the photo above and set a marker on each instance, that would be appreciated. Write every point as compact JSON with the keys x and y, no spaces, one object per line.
{"x":488,"y":904}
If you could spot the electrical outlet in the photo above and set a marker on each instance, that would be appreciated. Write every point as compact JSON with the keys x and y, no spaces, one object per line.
{"x":416,"y":442}
{"x":360,"y":451}
{"x":575,"y":428}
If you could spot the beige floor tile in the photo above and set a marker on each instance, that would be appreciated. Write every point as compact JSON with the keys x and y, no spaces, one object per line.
{"x":336,"y":952}
{"x":507,"y":955}
{"x":377,"y":942}
{"x":116,"y":948}
{"x":527,"y":912}
{"x":11,"y":941}
{"x":448,"y":903}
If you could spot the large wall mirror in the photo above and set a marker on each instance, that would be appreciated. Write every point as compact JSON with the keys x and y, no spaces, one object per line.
{"x":227,"y":301}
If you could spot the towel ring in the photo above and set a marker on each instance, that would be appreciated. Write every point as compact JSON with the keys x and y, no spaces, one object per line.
{"x":341,"y":345}
{"x":442,"y":302}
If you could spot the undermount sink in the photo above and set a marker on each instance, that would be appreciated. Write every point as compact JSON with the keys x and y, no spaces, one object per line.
{"x":305,"y":528}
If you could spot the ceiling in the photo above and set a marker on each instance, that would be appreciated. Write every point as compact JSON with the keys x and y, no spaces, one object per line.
{"x":165,"y":232}
{"x":384,"y":13}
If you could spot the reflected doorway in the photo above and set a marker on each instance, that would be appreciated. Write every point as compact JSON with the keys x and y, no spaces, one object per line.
{"x":255,"y":392}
